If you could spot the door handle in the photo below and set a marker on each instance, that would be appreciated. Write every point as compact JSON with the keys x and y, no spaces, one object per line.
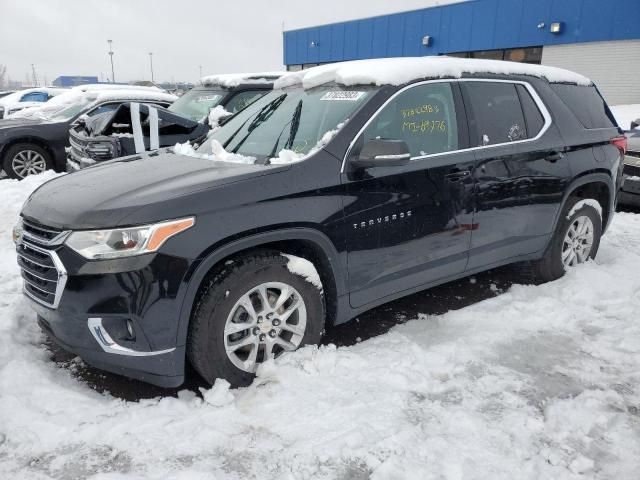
{"x":554,"y":157}
{"x":456,"y":175}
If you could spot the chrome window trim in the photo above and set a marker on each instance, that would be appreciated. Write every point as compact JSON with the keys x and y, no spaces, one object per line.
{"x":109,"y":345}
{"x":62,"y":278}
{"x":534,"y":94}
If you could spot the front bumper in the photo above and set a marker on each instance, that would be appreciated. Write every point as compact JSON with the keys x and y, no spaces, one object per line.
{"x":104,"y":302}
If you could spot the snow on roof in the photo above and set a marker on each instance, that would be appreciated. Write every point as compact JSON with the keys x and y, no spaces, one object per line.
{"x":230,"y":80}
{"x":16,"y":96}
{"x":398,"y":71}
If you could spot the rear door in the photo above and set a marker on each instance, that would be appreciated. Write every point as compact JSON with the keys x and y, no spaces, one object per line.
{"x":521,"y":172}
{"x":409,"y":225}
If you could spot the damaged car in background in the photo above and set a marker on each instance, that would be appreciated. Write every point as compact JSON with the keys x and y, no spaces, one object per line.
{"x":135,"y":128}
{"x":35,"y":139}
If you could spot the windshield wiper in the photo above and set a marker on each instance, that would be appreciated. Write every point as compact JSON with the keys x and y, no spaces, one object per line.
{"x":263,"y":114}
{"x":295,"y":123}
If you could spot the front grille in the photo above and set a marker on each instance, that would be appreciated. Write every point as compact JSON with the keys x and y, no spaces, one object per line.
{"x":77,"y":147}
{"x":83,"y":148}
{"x":42,"y":272}
{"x":40,"y":233}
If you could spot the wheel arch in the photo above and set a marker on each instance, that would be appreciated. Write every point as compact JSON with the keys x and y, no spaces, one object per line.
{"x":305,"y":242}
{"x":27,"y":139}
{"x":595,"y":184}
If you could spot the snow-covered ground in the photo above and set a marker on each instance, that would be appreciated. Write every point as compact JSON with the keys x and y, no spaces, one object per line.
{"x":539,"y":382}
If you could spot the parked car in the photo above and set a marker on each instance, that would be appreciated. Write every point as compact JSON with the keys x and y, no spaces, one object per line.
{"x":30,"y":97}
{"x":346,"y":187}
{"x":628,"y":117}
{"x":4,"y":93}
{"x":112,"y":135}
{"x":36,"y":141}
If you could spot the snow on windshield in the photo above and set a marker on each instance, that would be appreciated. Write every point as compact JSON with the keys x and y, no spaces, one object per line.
{"x":397,"y":71}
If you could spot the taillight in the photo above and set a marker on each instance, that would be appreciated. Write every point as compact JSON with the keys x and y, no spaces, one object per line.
{"x":620,"y":143}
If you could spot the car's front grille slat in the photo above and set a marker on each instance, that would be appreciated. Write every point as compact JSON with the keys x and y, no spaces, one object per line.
{"x":41,"y":270}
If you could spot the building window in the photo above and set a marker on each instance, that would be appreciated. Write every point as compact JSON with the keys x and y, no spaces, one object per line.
{"x":524,"y":55}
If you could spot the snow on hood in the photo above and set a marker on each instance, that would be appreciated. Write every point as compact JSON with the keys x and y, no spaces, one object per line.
{"x":230,"y":80}
{"x":398,"y":71}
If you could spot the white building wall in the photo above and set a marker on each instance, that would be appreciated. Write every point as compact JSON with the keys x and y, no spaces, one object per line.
{"x":613,"y":66}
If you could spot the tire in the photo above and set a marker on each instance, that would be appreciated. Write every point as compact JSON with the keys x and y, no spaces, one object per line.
{"x":551,"y":266}
{"x":23,"y":159}
{"x":219,"y":305}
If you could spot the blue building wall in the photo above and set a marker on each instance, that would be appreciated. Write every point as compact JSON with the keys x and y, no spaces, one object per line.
{"x":468,"y":26}
{"x":72,"y":81}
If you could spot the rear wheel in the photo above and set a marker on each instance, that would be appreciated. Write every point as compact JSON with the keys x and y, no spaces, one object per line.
{"x":24,"y":159}
{"x":253,"y":310}
{"x":576,"y":240}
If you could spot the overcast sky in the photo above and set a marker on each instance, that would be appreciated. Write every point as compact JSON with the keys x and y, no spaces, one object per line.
{"x":69,"y":37}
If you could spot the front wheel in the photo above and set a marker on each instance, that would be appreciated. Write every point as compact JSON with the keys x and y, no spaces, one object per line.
{"x":253,"y":310}
{"x":575,"y":240}
{"x":24,"y":159}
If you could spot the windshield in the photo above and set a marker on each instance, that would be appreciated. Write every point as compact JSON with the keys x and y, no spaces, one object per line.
{"x":292,"y":120}
{"x":64,"y":113}
{"x":196,"y":103}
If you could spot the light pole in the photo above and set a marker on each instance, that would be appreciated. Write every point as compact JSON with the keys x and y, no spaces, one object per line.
{"x":151,"y":63}
{"x":200,"y":70}
{"x":113,"y":75}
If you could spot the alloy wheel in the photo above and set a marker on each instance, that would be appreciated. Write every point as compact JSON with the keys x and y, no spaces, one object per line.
{"x":578,"y":241}
{"x":267,"y":320}
{"x":28,"y":162}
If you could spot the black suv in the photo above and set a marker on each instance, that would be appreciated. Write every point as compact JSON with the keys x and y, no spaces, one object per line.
{"x":315,"y":203}
{"x":113,"y":134}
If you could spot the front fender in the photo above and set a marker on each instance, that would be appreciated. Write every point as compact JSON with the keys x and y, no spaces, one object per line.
{"x":204,"y":265}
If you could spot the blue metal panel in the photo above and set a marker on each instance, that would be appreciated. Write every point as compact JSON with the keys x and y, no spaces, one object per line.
{"x":626,"y":19}
{"x":508,"y":20}
{"x":483,"y":24}
{"x":395,"y":35}
{"x":380,"y":37}
{"x":350,"y":41}
{"x":568,"y":12}
{"x":337,"y":42}
{"x":468,"y":26}
{"x":459,"y":27}
{"x":365,"y":38}
{"x":431,"y":25}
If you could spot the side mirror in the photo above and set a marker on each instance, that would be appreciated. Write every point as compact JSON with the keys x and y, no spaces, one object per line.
{"x":635,"y":123}
{"x":383,"y":153}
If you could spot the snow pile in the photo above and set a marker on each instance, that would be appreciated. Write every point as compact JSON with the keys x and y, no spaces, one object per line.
{"x":538,"y":382}
{"x":215,"y":114}
{"x":589,"y":202}
{"x":230,"y":80}
{"x":397,"y":71}
{"x":304,"y":268}
{"x":218,"y":153}
{"x":625,"y":114}
{"x":289,"y":156}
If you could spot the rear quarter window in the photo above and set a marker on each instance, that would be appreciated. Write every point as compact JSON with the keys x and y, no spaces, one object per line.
{"x":587,"y":105}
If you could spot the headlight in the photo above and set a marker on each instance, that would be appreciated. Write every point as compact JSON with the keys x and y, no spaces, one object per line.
{"x":126,"y":242}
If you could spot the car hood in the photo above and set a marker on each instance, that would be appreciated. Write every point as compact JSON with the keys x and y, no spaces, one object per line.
{"x":104,"y":196}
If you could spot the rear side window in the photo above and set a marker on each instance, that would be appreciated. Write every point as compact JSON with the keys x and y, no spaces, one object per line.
{"x":532,"y":116}
{"x":495,"y":114}
{"x":424,"y":116}
{"x":587,"y":105}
